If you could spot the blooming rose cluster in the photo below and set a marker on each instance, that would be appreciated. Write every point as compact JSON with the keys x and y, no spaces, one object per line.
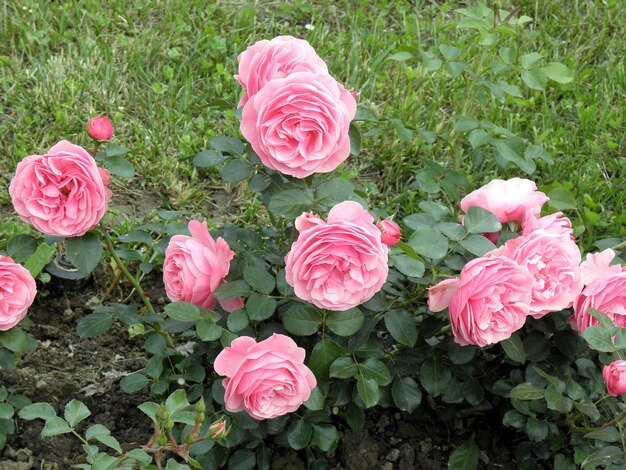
{"x":295,"y":115}
{"x":534,"y":274}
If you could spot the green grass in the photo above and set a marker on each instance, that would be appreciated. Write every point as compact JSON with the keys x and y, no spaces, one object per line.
{"x":156,"y":67}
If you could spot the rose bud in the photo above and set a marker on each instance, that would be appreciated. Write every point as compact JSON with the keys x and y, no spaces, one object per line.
{"x":217,"y":430}
{"x":390,"y":232}
{"x":615,"y":377}
{"x":100,"y":128}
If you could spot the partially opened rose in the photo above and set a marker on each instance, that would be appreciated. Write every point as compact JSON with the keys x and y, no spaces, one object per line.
{"x":195,"y":266}
{"x":299,"y":124}
{"x":17,"y":292}
{"x":61,"y":193}
{"x":266,"y":379}
{"x":614,"y":376}
{"x":339,"y":264}
{"x":556,"y":223}
{"x":491,"y":300}
{"x":553,"y":258}
{"x":266,"y":60}
{"x":509,"y":200}
{"x":606,"y":292}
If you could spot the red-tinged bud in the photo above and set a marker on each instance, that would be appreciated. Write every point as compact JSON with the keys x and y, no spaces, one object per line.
{"x":390,"y":232}
{"x":100,"y":128}
{"x":217,"y":430}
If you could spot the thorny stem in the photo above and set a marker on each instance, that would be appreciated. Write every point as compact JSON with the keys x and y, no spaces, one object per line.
{"x":116,"y":279}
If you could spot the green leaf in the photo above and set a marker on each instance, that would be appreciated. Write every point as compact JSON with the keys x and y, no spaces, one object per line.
{"x":355,"y":139}
{"x":231,"y":290}
{"x":84,"y":252}
{"x":536,"y":429}
{"x":238,"y":320}
{"x":434,"y":376}
{"x":479,"y":137}
{"x":290,"y":203}
{"x":55,"y":426}
{"x":534,"y":152}
{"x":333,"y":191}
{"x":558,"y":72}
{"x":105,"y":462}
{"x":235,"y":171}
{"x":302,"y":320}
{"x":37,"y":411}
{"x":406,"y":393}
{"x":345,"y":323}
{"x":368,"y":391}
{"x":325,"y":437}
{"x":259,"y":279}
{"x":133,"y":383}
{"x":183,"y":311}
{"x":343,"y":368}
{"x":429,"y":242}
{"x":528,"y":60}
{"x":6,"y":411}
{"x":527,"y":391}
{"x":606,"y":434}
{"x":323,"y":355}
{"x":505,"y":149}
{"x":598,"y":338}
{"x":113,"y":150}
{"x":208,"y":158}
{"x":139,"y":456}
{"x":299,"y":434}
{"x":39,"y":259}
{"x":603,"y":456}
{"x":109,"y":441}
{"x":514,"y":419}
{"x":464,"y":457}
{"x":562,"y":199}
{"x":514,"y":348}
{"x":96,"y":430}
{"x":479,"y":220}
{"x":242,"y":459}
{"x":408,"y":266}
{"x":150,"y":409}
{"x":477,"y":245}
{"x":449,"y":52}
{"x":15,"y":340}
{"x":119,"y":166}
{"x":556,"y":401}
{"x":456,"y":68}
{"x":75,"y":412}
{"x":260,"y":307}
{"x":316,"y":400}
{"x":401,"y":56}
{"x":229,"y":145}
{"x":94,"y":325}
{"x":207,"y":330}
{"x":402,"y":327}
{"x":21,"y":247}
{"x":176,"y":401}
{"x":535,"y":79}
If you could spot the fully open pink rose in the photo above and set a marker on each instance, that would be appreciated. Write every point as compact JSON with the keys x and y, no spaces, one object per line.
{"x":266,"y":60}
{"x":17,"y":292}
{"x":196,"y":266}
{"x":341,"y":263}
{"x":614,"y":376}
{"x":508,"y":200}
{"x":606,"y":293}
{"x":299,"y":124}
{"x":266,"y":379}
{"x":100,"y":128}
{"x":553,"y":259}
{"x":491,"y":302}
{"x":61,"y":193}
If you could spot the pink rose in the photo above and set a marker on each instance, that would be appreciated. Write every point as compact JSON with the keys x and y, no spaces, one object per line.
{"x":551,"y":223}
{"x":62,"y":193}
{"x":196,"y":266}
{"x":100,"y":128}
{"x":391,"y":232}
{"x":508,"y":200}
{"x":606,"y":294}
{"x":299,"y":124}
{"x":598,"y":265}
{"x":17,"y":292}
{"x":266,"y":379}
{"x":554,"y":261}
{"x":439,"y":296}
{"x":339,"y":264}
{"x":614,"y":376}
{"x":491,"y":302}
{"x":278,"y":58}
{"x":307,"y":220}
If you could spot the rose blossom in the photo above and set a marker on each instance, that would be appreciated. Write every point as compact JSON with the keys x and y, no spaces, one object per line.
{"x":266,"y":379}
{"x":614,"y":376}
{"x":551,"y":223}
{"x":277,"y":58}
{"x":196,"y":266}
{"x":299,"y":124}
{"x":17,"y":292}
{"x":606,"y":292}
{"x":391,"y":232}
{"x":508,"y":200}
{"x":554,"y":261}
{"x":100,"y":128}
{"x":61,"y":193}
{"x":338,"y":264}
{"x":491,"y":301}
{"x":439,"y":296}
